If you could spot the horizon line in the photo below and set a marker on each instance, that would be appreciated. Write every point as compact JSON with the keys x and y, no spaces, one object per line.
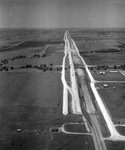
{"x":62,"y":28}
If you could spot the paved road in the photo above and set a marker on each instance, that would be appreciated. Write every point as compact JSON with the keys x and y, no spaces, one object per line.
{"x":91,"y":121}
{"x":73,"y":89}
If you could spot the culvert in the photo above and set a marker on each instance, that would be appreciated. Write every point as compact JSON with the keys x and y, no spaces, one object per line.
{"x":54,"y":130}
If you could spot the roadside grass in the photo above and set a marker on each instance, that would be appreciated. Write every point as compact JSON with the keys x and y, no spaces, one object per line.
{"x":115,"y":145}
{"x":121,"y":129}
{"x":67,"y":76}
{"x":72,"y":142}
{"x":76,"y":128}
{"x":113,"y":97}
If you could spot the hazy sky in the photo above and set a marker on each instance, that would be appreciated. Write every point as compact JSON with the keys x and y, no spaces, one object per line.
{"x":62,"y":13}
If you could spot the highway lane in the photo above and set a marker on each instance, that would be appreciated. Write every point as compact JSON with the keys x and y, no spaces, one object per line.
{"x":66,"y":88}
{"x":74,"y":85}
{"x":73,"y":89}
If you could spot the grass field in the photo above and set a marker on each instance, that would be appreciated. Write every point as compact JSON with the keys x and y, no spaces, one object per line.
{"x":76,"y":128}
{"x":32,"y":104}
{"x":113,"y":97}
{"x":121,"y":129}
{"x":104,"y":58}
{"x":72,"y":142}
{"x":95,"y":45}
{"x":117,"y":145}
{"x":26,"y":101}
{"x":29,"y":88}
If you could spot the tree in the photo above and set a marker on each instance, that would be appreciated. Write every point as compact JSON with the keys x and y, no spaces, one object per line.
{"x":115,"y":67}
{"x":51,"y":64}
{"x":124,"y":67}
{"x":98,"y":68}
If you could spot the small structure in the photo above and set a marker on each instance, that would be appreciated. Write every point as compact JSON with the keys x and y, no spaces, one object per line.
{"x":54,"y":129}
{"x":18,"y":130}
{"x":102,"y":72}
{"x":105,"y":85}
{"x":113,"y":71}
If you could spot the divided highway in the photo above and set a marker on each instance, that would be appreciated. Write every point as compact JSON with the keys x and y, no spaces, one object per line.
{"x":72,"y":54}
{"x":114,"y":134}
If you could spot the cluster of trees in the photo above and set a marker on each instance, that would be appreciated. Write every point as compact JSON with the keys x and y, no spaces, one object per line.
{"x":105,"y":67}
{"x":43,"y":67}
{"x":119,"y":66}
{"x":4,"y":62}
{"x":44,"y":55}
{"x":121,"y":46}
{"x":36,"y":56}
{"x":18,"y":57}
{"x":4,"y":65}
{"x":107,"y":50}
{"x":102,"y":51}
{"x":6,"y":68}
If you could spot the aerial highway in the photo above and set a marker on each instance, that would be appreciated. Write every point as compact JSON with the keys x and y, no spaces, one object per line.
{"x":73,"y":90}
{"x":72,"y":54}
{"x":114,"y":134}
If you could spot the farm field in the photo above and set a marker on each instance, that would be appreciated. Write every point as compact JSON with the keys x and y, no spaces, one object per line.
{"x":108,"y":76}
{"x":95,"y":45}
{"x":30,"y":106}
{"x":113,"y":97}
{"x":25,"y":104}
{"x":31,"y":90}
{"x":104,"y":58}
{"x":19,"y":88}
